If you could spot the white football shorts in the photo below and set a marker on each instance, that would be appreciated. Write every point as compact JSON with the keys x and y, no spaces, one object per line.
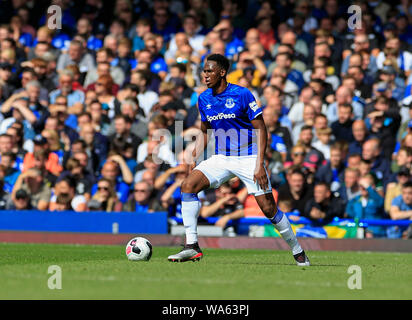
{"x":220,"y":168}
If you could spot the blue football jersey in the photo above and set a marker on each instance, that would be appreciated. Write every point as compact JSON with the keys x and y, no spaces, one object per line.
{"x":229,"y":114}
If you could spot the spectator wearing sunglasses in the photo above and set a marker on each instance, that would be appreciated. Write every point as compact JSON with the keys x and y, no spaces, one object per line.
{"x":142,"y":200}
{"x":106,"y":196}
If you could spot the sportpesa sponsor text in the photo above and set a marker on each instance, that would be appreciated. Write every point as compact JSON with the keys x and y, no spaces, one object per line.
{"x":221,"y":116}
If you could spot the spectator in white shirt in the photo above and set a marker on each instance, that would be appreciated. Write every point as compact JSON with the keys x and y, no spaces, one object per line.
{"x":147,"y":98}
{"x":324,"y":141}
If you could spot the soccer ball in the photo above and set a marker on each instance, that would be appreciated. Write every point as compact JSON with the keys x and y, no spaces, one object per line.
{"x":138,"y":249}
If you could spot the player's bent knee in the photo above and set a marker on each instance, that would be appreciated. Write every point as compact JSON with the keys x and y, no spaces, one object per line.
{"x":187,"y":186}
{"x":194,"y":183}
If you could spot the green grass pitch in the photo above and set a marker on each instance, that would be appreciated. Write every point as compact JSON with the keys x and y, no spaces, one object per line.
{"x":103,"y":272}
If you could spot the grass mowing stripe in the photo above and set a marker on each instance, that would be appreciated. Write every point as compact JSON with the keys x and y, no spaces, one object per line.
{"x":103,"y":272}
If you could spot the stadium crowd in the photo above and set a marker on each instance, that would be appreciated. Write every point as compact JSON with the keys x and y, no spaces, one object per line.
{"x":81,"y":105}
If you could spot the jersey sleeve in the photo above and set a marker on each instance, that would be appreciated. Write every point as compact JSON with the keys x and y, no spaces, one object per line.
{"x":201,"y":106}
{"x":250,"y":105}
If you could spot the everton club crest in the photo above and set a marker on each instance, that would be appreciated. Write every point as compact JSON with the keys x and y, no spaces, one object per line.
{"x":230,"y":103}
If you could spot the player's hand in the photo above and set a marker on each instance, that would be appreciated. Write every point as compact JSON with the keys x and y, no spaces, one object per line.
{"x":260,"y":177}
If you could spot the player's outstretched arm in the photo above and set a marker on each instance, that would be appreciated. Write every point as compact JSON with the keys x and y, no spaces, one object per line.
{"x":201,"y":143}
{"x":261,"y":132}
